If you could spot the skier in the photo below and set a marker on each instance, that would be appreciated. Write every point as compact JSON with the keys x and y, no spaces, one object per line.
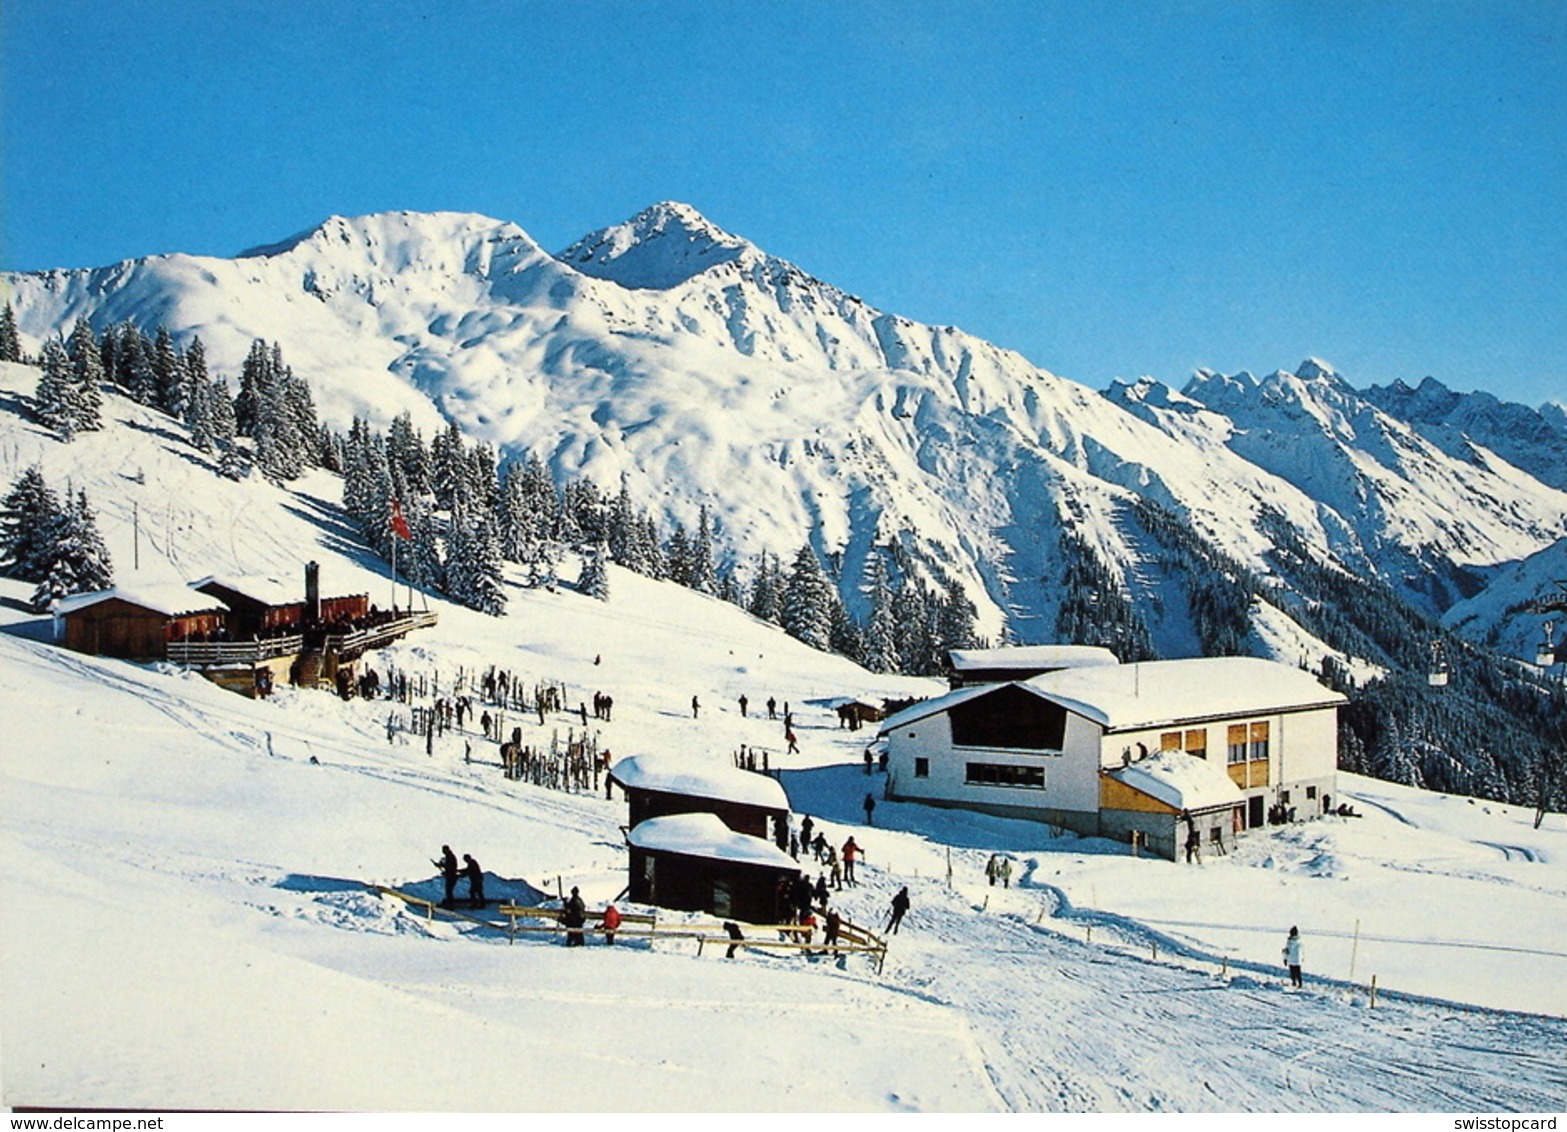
{"x":993,"y":869}
{"x":696,"y":708}
{"x":475,"y":877}
{"x":1004,"y":870}
{"x":574,"y":915}
{"x":448,"y":866}
{"x":744,"y":703}
{"x":1292,"y":956}
{"x":834,"y":922}
{"x":772,"y":708}
{"x":870,"y":807}
{"x":820,"y":891}
{"x":805,"y":830}
{"x":789,"y":737}
{"x":851,"y":853}
{"x":900,"y":905}
{"x":611,"y":922}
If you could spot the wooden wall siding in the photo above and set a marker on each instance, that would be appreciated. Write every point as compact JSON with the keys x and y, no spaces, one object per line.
{"x":750,"y":820}
{"x":1117,"y":795}
{"x":1248,"y":775}
{"x":692,"y":884}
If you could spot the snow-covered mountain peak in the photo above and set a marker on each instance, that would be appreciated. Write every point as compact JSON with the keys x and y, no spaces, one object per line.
{"x":1315,"y":369}
{"x":437,"y":241}
{"x":661,"y":247}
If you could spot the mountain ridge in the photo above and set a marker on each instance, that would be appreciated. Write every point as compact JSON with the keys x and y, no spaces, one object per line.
{"x":793,"y":411}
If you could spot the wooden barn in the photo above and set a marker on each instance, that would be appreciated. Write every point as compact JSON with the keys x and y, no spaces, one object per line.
{"x":660,"y":785}
{"x":695,"y":863}
{"x":136,"y":623}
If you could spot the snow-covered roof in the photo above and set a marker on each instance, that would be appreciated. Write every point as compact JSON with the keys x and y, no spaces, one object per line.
{"x":259,"y":588}
{"x":1128,"y":696}
{"x":704,"y":835}
{"x":700,"y":778}
{"x":935,"y":705}
{"x":1031,"y":657}
{"x":171,"y":600}
{"x":1181,"y":780}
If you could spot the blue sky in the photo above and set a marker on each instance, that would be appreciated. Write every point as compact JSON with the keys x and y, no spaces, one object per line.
{"x":1111,"y":188}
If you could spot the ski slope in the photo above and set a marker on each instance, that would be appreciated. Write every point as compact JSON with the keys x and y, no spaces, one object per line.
{"x":187,"y":924}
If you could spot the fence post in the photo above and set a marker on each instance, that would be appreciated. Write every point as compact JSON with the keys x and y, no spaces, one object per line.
{"x":1373,"y":990}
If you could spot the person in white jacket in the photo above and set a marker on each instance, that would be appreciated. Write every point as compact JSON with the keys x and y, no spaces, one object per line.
{"x":1292,"y":956}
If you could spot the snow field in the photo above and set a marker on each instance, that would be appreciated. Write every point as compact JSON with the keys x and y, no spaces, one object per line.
{"x":186,"y":923}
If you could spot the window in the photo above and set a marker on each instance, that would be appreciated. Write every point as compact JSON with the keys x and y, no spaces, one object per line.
{"x":1009,"y":717}
{"x":1237,"y":743}
{"x":1311,"y":792}
{"x":1197,"y":742}
{"x":994,"y":774}
{"x":1170,"y":741}
{"x":1259,"y":741}
{"x":921,"y":768}
{"x":1284,"y":797}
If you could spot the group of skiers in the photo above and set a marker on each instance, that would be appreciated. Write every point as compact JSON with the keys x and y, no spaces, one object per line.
{"x":450,"y":872}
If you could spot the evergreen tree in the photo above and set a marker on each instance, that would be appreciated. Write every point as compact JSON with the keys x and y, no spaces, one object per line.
{"x":55,"y":401}
{"x":955,"y":626}
{"x":10,"y":337}
{"x":807,"y":601}
{"x":594,"y":579}
{"x":677,"y":556}
{"x":700,"y":567}
{"x":87,"y":375}
{"x":75,"y":558}
{"x":27,"y":515}
{"x":473,"y":565}
{"x":221,"y":407}
{"x":881,"y":637}
{"x":168,"y":376}
{"x":766,"y":599}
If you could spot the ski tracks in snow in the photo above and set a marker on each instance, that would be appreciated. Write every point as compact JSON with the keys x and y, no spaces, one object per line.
{"x":1074,"y":1026}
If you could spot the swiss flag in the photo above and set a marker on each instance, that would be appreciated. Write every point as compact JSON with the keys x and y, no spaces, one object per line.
{"x":399,"y":524}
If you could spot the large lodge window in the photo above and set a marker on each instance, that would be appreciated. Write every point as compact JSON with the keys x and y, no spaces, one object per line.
{"x":1259,"y":741}
{"x":1236,"y":743}
{"x":1009,"y":718}
{"x":994,"y":774}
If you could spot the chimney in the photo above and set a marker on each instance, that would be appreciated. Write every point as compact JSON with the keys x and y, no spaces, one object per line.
{"x":313,"y":592}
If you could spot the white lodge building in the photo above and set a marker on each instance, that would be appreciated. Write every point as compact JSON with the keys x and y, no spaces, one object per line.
{"x":1165,"y":750}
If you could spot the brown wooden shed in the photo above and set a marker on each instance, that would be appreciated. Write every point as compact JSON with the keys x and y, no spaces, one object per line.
{"x":695,"y":863}
{"x":659,"y":785}
{"x":136,"y":623}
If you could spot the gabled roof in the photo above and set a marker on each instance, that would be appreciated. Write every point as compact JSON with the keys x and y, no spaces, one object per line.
{"x":170,"y":600}
{"x":1127,"y":697}
{"x":1181,"y":780}
{"x":1030,"y":658}
{"x":703,"y":835}
{"x":261,"y":589}
{"x":938,"y":704}
{"x":700,"y":778}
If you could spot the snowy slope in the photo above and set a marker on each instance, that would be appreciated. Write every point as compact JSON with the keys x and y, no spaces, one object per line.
{"x":709,"y":373}
{"x":216,"y":851}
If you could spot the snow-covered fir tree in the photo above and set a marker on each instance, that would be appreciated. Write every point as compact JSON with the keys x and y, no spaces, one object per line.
{"x":881,"y":637}
{"x":87,"y":374}
{"x":10,"y":338}
{"x":26,"y":516}
{"x":594,"y":578}
{"x":55,"y":401}
{"x":74,"y":557}
{"x":807,"y":601}
{"x":473,"y":563}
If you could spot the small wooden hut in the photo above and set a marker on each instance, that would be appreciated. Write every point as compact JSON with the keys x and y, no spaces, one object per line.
{"x":659,"y":785}
{"x":136,"y":623}
{"x":695,"y":863}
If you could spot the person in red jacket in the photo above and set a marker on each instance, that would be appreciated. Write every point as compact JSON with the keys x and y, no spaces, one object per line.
{"x":611,"y":922}
{"x":851,"y":854}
